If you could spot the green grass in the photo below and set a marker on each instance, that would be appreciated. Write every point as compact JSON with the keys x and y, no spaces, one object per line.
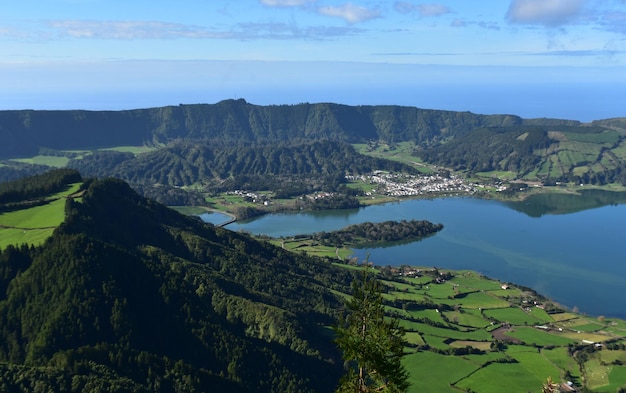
{"x":512,"y":315}
{"x":436,"y":367}
{"x":35,"y":237}
{"x":439,"y":291}
{"x":475,"y":281}
{"x":131,"y":149}
{"x":424,"y":377}
{"x":466,"y":319}
{"x":606,"y":137}
{"x":560,"y":357}
{"x":53,"y":161}
{"x":531,"y":335}
{"x":526,"y":376}
{"x":482,"y":300}
{"x":48,"y":215}
{"x":32,"y":225}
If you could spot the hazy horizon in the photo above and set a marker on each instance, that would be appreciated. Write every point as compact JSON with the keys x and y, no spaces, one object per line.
{"x":532,"y":58}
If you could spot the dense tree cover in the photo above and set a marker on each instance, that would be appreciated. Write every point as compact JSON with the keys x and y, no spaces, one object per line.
{"x":370,"y":232}
{"x":23,"y":132}
{"x":335,"y":201}
{"x":372,"y":344}
{"x":37,"y":186}
{"x":489,"y":149}
{"x":128,"y":295}
{"x":256,"y":165}
{"x":12,"y":170}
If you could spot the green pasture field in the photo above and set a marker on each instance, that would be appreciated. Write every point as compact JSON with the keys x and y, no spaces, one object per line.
{"x":561,"y":358}
{"x":611,"y":356}
{"x":526,"y":376}
{"x":476,"y":335}
{"x":544,"y":169}
{"x":620,"y":150}
{"x":481,"y":300}
{"x":540,"y":314}
{"x":512,"y":315}
{"x":597,"y":374}
{"x":482,"y":345}
{"x":436,"y":342}
{"x":580,"y":170}
{"x":564,"y":316}
{"x":414,"y":338}
{"x":466,"y":318}
{"x":439,"y":291}
{"x":503,"y":175}
{"x":605,"y":137}
{"x":400,"y":153}
{"x":189,"y":210}
{"x":361,"y":185}
{"x":53,"y":161}
{"x":583,"y":325}
{"x":587,"y":336}
{"x":511,"y":293}
{"x":45,"y":216}
{"x":531,"y":335}
{"x":483,"y":358}
{"x":432,"y":315}
{"x":399,"y":287}
{"x":424,"y":377}
{"x":475,"y":281}
{"x":32,"y":225}
{"x":434,"y":367}
{"x":131,"y":149}
{"x":10,"y":236}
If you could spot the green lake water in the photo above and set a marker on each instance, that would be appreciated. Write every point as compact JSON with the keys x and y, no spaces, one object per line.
{"x":569,"y":248}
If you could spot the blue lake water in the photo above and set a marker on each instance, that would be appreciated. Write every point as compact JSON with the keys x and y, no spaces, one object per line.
{"x":577,"y":259}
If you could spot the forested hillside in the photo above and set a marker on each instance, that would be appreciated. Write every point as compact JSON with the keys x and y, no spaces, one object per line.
{"x":287,"y":168}
{"x":551,"y":153}
{"x":128,"y":295}
{"x":24,"y":132}
{"x":545,"y":150}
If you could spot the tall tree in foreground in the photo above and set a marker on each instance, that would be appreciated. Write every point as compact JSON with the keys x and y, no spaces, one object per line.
{"x":371,"y":344}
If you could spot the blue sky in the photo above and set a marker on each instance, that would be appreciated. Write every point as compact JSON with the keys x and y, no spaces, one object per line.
{"x":486,"y":56}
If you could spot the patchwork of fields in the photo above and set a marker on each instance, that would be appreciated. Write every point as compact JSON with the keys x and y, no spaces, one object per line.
{"x":471,"y":333}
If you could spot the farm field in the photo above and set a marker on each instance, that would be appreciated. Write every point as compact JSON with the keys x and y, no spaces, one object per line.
{"x":32,"y":225}
{"x":466,"y":332}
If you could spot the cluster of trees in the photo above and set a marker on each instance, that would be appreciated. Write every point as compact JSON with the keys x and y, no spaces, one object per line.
{"x":14,"y":170}
{"x":214,"y":308}
{"x":387,"y":231}
{"x":490,"y":149}
{"x":37,"y":186}
{"x":192,"y":163}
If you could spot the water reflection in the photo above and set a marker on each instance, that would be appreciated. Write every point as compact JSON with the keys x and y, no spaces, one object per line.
{"x":553,"y":203}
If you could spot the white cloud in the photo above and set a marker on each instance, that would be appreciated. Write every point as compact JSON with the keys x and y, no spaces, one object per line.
{"x":350,"y":13}
{"x":286,"y":3}
{"x":127,"y":30}
{"x":141,"y":30}
{"x":544,"y":12}
{"x":424,"y":10}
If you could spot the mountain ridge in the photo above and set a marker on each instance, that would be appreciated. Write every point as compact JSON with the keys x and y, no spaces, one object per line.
{"x":129,"y":293}
{"x":24,"y":131}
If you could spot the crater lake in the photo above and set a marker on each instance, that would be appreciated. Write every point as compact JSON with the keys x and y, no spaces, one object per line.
{"x":570,"y":248}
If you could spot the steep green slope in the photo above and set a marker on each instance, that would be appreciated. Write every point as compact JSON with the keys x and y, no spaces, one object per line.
{"x":268,"y":166}
{"x":579,"y":154}
{"x":128,"y":295}
{"x":24,"y":132}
